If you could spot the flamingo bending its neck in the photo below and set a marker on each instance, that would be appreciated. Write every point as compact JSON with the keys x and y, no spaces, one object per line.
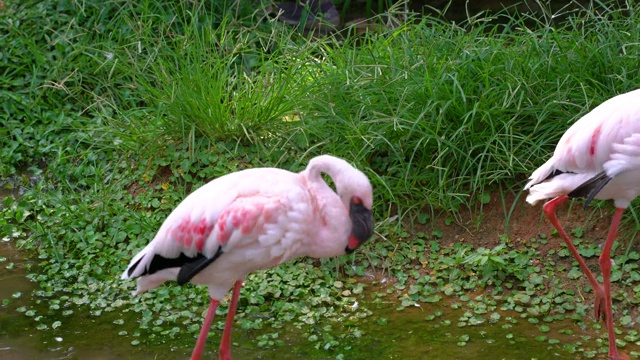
{"x":255,"y":219}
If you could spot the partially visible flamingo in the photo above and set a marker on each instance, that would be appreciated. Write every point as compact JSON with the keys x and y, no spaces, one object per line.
{"x":255,"y":219}
{"x":597,"y":158}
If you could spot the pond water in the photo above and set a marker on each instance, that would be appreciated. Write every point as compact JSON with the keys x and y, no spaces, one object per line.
{"x":387,"y":334}
{"x":82,"y":337}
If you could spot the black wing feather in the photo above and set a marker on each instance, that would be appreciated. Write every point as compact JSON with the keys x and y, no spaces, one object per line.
{"x":189,"y":266}
{"x":591,"y":187}
{"x":190,"y":269}
{"x":553,"y":174}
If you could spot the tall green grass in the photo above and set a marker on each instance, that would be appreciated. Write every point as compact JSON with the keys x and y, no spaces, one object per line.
{"x":226,"y":82}
{"x":436,"y":113}
{"x":441,"y":112}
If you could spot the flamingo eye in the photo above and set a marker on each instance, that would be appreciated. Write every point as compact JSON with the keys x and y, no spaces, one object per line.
{"x":356,"y":200}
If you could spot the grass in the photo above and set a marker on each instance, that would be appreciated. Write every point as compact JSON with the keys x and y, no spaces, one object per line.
{"x":127,"y":106}
{"x":214,"y":83}
{"x":443,"y":112}
{"x":435,"y":113}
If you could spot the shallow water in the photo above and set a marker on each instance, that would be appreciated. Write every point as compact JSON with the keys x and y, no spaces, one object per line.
{"x":82,"y":337}
{"x":405,"y":334}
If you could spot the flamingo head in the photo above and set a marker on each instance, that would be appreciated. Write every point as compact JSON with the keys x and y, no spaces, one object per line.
{"x":361,"y":223}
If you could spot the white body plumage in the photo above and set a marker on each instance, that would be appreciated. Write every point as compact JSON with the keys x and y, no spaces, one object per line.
{"x":607,"y":139}
{"x":256,"y":218}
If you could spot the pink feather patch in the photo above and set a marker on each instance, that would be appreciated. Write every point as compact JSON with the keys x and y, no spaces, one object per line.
{"x":594,"y":139}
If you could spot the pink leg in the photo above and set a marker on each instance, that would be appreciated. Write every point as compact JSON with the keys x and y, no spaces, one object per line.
{"x":605,"y":266}
{"x":204,"y":332}
{"x":550,"y":211}
{"x":225,"y":344}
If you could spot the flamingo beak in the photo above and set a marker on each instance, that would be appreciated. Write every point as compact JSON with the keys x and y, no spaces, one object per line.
{"x":361,"y":224}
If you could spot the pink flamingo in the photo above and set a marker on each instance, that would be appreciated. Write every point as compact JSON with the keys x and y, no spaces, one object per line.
{"x":255,"y":219}
{"x":597,"y":158}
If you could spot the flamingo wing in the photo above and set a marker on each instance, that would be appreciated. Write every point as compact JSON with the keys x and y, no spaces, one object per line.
{"x":599,"y":146}
{"x":624,"y":159}
{"x":626,"y":154}
{"x":249,"y":210}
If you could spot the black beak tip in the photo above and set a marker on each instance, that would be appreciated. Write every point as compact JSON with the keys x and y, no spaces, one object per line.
{"x":362,"y":226}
